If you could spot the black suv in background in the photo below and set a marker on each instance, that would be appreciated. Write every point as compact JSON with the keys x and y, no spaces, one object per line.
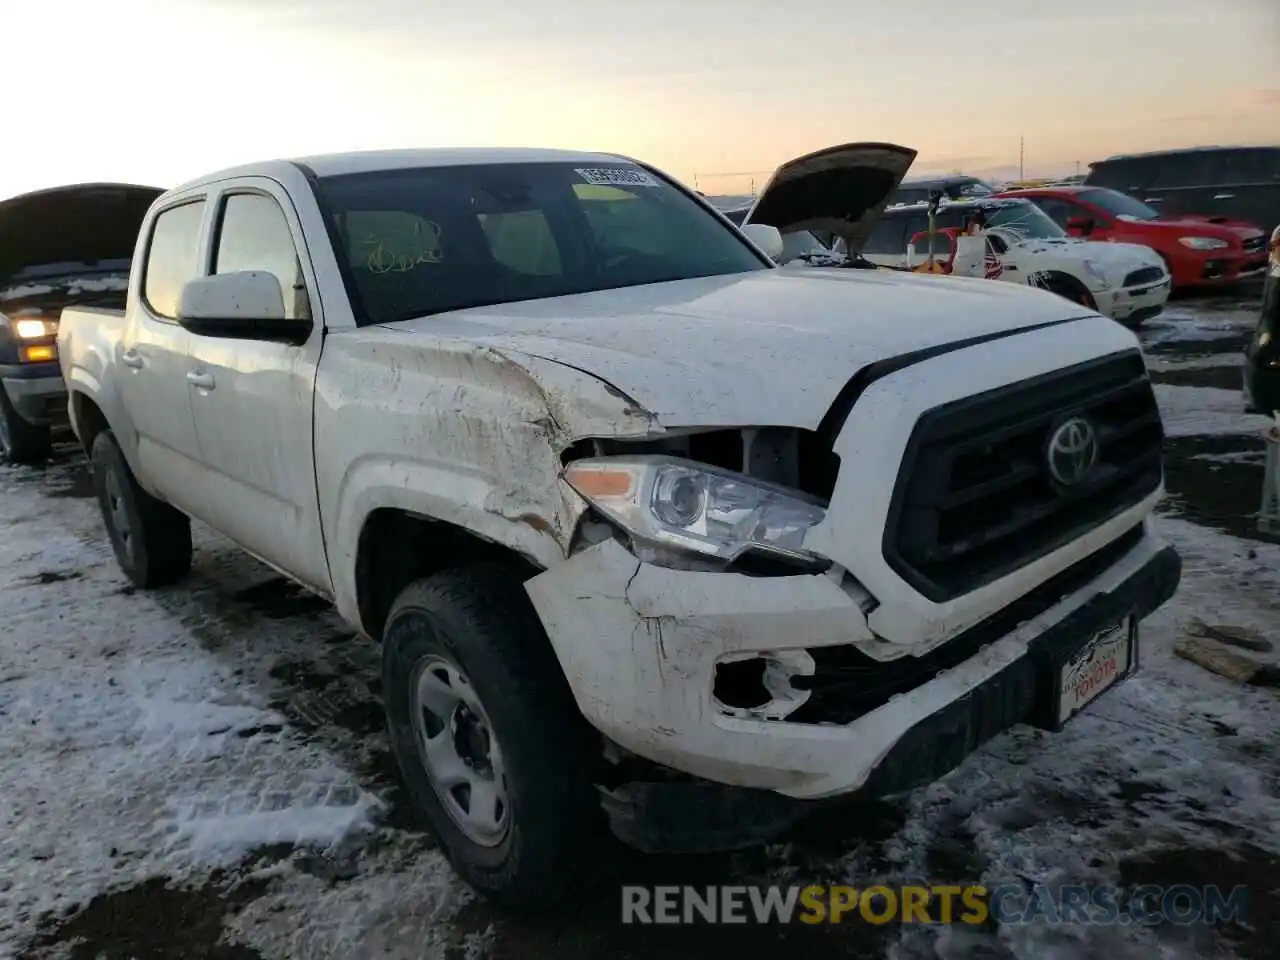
{"x":1262,"y":353}
{"x":1242,"y":183}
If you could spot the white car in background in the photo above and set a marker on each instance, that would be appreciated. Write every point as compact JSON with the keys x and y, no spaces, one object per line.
{"x":1020,"y":243}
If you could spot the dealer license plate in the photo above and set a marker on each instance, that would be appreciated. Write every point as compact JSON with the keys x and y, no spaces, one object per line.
{"x":1105,"y":660}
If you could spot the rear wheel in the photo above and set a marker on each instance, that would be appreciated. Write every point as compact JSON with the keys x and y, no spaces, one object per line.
{"x":20,"y":441}
{"x":488,"y":737}
{"x":151,"y":540}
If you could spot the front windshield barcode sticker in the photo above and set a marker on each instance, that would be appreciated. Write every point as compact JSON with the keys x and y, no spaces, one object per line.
{"x":617,"y":177}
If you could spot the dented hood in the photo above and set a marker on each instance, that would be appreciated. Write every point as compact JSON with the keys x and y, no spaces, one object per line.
{"x":79,"y":224}
{"x":766,"y":348}
{"x":841,"y":190}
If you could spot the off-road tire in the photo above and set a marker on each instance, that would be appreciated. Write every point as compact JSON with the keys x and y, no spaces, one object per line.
{"x":480,"y":619}
{"x":155,"y":549}
{"x":21,"y":442}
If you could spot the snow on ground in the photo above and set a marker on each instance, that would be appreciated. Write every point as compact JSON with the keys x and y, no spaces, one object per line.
{"x":201,"y":771}
{"x":1201,"y":411}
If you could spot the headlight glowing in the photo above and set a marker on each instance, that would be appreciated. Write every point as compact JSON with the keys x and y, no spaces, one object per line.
{"x":665,"y":501}
{"x":34,"y":329}
{"x":1202,"y":243}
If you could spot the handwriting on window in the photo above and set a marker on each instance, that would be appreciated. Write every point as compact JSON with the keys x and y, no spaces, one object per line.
{"x":405,"y":250}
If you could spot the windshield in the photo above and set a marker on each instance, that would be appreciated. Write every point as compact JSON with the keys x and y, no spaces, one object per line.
{"x":971,"y":188}
{"x":426,"y":240}
{"x":1023,"y":218}
{"x":1118,"y":204}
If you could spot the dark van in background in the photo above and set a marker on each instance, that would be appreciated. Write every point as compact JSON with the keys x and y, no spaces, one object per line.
{"x":66,"y":246}
{"x":1240,"y":183}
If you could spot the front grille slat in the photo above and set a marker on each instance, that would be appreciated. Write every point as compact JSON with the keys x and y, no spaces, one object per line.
{"x":975,"y":498}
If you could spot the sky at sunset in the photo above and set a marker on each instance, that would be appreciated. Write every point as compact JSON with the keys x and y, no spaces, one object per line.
{"x":713,"y":91}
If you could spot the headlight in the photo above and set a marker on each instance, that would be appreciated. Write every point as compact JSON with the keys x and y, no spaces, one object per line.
{"x":1097,"y":272}
{"x":686,"y":506}
{"x":1202,"y":243}
{"x":34,"y":329}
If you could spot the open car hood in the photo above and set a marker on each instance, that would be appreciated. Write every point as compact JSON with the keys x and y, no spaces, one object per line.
{"x":79,"y":224}
{"x":841,"y":190}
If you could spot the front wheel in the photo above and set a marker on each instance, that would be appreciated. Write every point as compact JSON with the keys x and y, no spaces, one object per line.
{"x":20,"y":441}
{"x":151,"y":540}
{"x":488,"y":738}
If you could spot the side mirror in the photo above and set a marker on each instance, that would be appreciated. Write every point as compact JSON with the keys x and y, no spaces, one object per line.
{"x":1083,"y":224}
{"x":1274,"y":248}
{"x":767,"y":238}
{"x":248,"y":305}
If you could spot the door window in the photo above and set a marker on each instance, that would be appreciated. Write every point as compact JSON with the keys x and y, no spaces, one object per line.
{"x":172,"y":257}
{"x":1059,"y":211}
{"x":1126,"y":174}
{"x":889,"y":236}
{"x":254,"y":235}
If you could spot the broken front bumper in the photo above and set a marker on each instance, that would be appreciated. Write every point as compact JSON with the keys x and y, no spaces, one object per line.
{"x":641,"y":645}
{"x":1134,"y":305}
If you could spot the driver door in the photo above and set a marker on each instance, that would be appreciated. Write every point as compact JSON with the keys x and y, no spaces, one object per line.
{"x":252,"y":399}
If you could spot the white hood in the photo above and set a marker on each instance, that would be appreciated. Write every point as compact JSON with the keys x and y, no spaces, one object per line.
{"x":770,"y":347}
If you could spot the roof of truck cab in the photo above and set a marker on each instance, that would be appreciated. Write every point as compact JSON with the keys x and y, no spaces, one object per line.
{"x":370,"y":161}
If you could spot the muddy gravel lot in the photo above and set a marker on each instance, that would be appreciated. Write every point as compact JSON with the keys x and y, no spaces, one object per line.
{"x":202,"y":772}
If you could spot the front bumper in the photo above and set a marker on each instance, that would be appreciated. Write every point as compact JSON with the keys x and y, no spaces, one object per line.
{"x":1134,"y":305}
{"x":641,"y":647}
{"x":36,"y":391}
{"x":1223,"y":271}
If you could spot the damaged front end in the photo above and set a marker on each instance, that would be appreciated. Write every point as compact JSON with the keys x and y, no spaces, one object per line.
{"x":686,"y":583}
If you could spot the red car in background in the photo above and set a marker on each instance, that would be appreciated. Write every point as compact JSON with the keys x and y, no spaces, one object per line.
{"x":1200,"y":251}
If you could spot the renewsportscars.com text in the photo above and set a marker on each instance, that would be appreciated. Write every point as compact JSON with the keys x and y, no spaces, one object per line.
{"x":1008,"y":904}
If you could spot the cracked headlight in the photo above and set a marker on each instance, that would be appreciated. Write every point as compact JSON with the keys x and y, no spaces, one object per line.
{"x":678,"y":504}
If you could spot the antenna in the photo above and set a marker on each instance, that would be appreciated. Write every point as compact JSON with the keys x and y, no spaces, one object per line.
{"x":1022,"y":173}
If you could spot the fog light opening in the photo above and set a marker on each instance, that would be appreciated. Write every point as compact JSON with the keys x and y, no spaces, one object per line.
{"x":759,"y":687}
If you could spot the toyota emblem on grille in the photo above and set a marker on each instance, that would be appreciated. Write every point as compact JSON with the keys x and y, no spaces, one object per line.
{"x":1072,"y":451}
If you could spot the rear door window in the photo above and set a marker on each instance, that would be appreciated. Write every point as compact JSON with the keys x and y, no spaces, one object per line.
{"x":1254,"y":165}
{"x":173,"y":257}
{"x":1192,"y":169}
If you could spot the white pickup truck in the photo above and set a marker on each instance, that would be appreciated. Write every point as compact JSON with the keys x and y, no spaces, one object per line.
{"x":653,"y":533}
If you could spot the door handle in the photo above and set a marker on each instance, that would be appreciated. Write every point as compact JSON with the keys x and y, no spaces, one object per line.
{"x":1224,"y":196}
{"x":203,"y":381}
{"x":132,"y":359}
{"x":1151,"y":200}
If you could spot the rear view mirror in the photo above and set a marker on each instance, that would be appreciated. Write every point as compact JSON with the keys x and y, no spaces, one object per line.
{"x":248,"y":305}
{"x":766,"y":238}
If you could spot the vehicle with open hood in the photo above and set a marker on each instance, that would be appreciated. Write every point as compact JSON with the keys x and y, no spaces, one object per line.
{"x":654,"y":534}
{"x":58,"y":248}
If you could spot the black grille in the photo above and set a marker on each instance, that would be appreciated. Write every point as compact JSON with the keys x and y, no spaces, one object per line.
{"x":974,"y":499}
{"x":1254,"y":244}
{"x":1145,"y":275}
{"x":847,"y":683}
